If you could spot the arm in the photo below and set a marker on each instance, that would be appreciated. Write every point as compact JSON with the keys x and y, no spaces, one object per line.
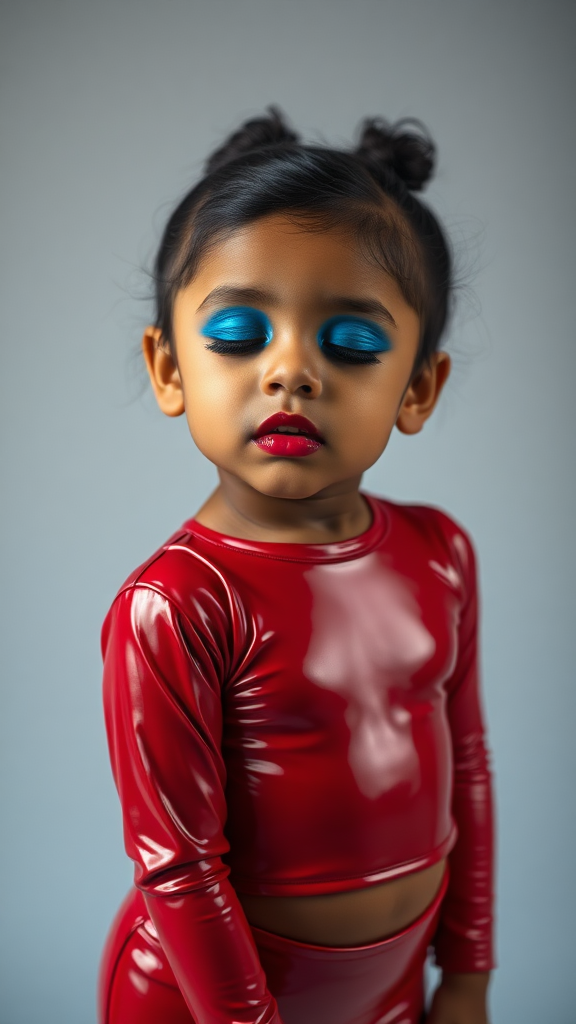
{"x":163,"y":703}
{"x":464,"y":942}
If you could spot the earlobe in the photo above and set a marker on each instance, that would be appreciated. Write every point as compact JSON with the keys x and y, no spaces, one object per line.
{"x":163,"y":372}
{"x":422,"y":394}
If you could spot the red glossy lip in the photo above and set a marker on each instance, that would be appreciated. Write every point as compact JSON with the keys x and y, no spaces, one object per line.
{"x":288,"y":419}
{"x":288,"y":445}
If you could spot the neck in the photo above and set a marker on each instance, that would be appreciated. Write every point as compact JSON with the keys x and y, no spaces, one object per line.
{"x":236,"y":509}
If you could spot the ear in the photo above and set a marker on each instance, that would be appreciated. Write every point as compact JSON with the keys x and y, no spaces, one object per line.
{"x":163,"y":372}
{"x":422,"y":394}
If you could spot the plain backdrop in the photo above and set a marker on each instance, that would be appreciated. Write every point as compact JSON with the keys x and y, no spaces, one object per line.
{"x":108,"y":109}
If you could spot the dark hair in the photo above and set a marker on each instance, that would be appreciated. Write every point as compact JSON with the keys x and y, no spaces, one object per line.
{"x":263,"y":168}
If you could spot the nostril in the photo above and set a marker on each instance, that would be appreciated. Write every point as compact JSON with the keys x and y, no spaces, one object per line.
{"x":273,"y":386}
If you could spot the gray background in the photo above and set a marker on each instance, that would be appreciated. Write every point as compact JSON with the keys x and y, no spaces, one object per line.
{"x":108,"y":108}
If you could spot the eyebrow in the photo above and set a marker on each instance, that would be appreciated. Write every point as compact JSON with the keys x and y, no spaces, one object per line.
{"x":371,"y":307}
{"x":345,"y":303}
{"x":227,"y":293}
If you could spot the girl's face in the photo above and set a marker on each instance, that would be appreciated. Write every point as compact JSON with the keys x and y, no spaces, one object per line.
{"x":283,"y":320}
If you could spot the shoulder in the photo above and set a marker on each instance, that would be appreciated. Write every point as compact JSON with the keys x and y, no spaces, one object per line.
{"x":180,"y":582}
{"x":178,"y":570}
{"x":440,"y":535}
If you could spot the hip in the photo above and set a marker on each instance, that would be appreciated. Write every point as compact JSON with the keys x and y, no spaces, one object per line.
{"x":313,"y":984}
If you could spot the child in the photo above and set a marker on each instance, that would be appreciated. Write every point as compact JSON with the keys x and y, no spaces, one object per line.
{"x":291,"y":689}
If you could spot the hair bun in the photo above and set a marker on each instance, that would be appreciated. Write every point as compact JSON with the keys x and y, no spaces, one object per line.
{"x":398,"y":147}
{"x":256,"y":133}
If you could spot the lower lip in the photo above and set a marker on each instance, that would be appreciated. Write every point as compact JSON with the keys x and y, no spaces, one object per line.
{"x":288,"y":446}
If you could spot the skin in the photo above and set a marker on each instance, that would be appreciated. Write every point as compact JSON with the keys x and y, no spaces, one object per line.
{"x":299,"y":278}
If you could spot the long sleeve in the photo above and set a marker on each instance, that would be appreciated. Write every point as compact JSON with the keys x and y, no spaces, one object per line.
{"x":163,"y":704}
{"x":464,"y":940}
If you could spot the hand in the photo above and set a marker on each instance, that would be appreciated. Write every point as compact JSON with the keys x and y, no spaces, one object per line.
{"x":460,"y":999}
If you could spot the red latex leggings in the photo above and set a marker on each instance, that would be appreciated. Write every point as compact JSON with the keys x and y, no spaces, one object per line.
{"x":381,"y":983}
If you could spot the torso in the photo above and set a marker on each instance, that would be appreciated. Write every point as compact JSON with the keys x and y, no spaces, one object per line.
{"x":348,"y":918}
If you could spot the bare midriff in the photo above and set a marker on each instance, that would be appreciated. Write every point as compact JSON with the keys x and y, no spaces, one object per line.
{"x":348,"y":918}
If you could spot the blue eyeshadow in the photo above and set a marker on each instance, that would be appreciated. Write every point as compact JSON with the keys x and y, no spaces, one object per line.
{"x":355,"y":333}
{"x":238,"y":323}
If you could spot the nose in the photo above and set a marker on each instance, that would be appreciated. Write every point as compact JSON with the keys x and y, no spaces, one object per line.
{"x":291,"y":367}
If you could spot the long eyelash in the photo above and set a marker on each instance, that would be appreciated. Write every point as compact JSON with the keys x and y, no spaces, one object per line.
{"x":348,"y":355}
{"x":235,"y":348}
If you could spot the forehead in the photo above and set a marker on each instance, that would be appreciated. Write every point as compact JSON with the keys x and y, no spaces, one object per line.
{"x":293,"y":260}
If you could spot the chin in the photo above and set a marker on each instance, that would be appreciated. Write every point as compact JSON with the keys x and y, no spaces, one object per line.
{"x":280,"y":485}
{"x":290,"y":493}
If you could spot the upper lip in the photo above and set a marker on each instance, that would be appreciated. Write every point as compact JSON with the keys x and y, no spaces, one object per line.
{"x":288,"y":419}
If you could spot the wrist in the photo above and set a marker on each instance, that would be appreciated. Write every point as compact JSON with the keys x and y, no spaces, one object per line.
{"x":472,"y":982}
{"x":460,"y":999}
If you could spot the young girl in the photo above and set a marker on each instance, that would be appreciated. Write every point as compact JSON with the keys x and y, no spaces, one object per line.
{"x":291,"y":688}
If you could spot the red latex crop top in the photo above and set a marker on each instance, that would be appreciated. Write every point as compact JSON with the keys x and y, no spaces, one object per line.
{"x":304,"y":719}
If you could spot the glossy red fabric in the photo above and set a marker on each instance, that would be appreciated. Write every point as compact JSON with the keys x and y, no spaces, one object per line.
{"x":372,"y":984}
{"x":305,"y":719}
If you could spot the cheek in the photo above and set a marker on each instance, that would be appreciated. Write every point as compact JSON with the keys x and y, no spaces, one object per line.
{"x":372,"y":422}
{"x":207,"y":414}
{"x":208,"y":385}
{"x":369,"y":418}
{"x":367,"y":436}
{"x":360,"y":438}
{"x":211,"y":432}
{"x":214,"y":402}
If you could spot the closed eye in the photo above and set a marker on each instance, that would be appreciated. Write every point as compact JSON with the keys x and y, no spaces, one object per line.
{"x":353,"y":339}
{"x":237,"y":330}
